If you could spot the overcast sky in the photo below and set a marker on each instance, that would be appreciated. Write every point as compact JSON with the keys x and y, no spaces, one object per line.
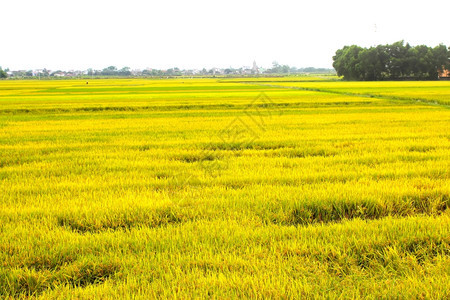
{"x":78,"y":34}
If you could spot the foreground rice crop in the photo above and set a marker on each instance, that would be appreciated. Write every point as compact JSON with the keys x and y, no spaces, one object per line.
{"x":224,"y":188}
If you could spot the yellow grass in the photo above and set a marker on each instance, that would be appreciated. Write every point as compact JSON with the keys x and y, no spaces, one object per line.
{"x":203,"y":188}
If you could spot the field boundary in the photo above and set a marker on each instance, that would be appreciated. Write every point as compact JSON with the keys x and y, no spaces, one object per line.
{"x":382,"y":97}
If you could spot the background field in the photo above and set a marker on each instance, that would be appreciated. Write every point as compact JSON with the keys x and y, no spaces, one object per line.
{"x":188,"y":188}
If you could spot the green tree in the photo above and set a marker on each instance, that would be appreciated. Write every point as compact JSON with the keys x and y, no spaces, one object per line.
{"x":125,"y":71}
{"x":346,"y":62}
{"x":3,"y":73}
{"x":111,"y":70}
{"x":441,"y":59}
{"x":395,"y":61}
{"x":372,"y":63}
{"x":397,"y":65}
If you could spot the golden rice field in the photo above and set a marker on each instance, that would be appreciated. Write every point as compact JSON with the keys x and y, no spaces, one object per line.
{"x":224,"y":188}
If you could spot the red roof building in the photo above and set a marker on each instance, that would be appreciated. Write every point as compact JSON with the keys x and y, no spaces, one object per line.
{"x":444,"y":74}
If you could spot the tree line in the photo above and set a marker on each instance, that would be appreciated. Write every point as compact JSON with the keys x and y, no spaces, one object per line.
{"x":3,"y":73}
{"x":395,"y":61}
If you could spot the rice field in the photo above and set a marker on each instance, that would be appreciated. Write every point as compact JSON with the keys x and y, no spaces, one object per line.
{"x":224,"y":188}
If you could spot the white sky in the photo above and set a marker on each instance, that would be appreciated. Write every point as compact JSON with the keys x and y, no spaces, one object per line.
{"x":78,"y":34}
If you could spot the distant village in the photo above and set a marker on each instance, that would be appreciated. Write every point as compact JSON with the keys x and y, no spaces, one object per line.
{"x":149,"y":72}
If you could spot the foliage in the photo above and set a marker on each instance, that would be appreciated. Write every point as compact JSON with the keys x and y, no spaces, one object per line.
{"x":3,"y":73}
{"x":395,"y":61}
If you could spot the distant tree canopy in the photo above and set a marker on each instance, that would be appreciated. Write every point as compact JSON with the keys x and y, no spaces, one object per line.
{"x":112,"y":71}
{"x":394,"y":61}
{"x":3,"y":73}
{"x":286,"y":69}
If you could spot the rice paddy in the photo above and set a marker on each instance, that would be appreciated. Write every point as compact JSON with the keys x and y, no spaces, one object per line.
{"x":224,"y":188}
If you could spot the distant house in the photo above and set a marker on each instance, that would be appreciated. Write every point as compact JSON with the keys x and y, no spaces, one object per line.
{"x":444,"y":74}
